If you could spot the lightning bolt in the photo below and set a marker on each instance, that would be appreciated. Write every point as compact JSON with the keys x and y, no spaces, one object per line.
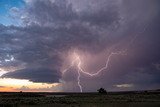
{"x":78,"y":62}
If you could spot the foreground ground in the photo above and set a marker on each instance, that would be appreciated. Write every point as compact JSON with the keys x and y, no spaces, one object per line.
{"x":116,"y":99}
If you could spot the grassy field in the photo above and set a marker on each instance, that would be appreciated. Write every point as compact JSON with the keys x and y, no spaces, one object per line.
{"x":112,"y":99}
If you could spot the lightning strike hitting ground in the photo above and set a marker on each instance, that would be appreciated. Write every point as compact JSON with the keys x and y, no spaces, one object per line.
{"x":78,"y":62}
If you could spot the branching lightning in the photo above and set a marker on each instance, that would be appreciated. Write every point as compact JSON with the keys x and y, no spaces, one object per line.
{"x":78,"y":62}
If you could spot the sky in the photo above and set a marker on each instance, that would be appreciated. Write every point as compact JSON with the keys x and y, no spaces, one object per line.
{"x":5,"y":10}
{"x":79,"y":45}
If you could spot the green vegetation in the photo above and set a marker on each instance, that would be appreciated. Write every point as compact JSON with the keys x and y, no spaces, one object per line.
{"x":75,"y":99}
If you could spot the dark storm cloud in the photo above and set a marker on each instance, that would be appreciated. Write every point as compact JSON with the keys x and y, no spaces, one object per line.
{"x":141,"y":54}
{"x":43,"y":75}
{"x":54,"y":27}
{"x":47,"y":11}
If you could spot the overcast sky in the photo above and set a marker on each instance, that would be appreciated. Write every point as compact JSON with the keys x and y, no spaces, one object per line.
{"x":38,"y":39}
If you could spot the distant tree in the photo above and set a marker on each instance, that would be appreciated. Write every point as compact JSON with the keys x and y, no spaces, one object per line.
{"x":102,"y":91}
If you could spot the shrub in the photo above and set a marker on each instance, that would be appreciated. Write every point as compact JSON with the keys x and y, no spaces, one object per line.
{"x":102,"y":91}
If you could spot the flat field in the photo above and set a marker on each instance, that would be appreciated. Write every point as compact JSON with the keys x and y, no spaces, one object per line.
{"x":111,"y":99}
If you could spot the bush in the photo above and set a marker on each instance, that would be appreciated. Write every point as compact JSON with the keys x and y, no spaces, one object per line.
{"x":102,"y":91}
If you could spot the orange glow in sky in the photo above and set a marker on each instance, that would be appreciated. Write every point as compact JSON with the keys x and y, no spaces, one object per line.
{"x":18,"y":85}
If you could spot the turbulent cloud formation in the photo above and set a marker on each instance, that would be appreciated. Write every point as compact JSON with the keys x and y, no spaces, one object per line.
{"x":50,"y":29}
{"x":36,"y":75}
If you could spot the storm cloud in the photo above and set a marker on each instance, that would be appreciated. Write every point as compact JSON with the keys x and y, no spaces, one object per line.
{"x":51,"y":28}
{"x":41,"y":75}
